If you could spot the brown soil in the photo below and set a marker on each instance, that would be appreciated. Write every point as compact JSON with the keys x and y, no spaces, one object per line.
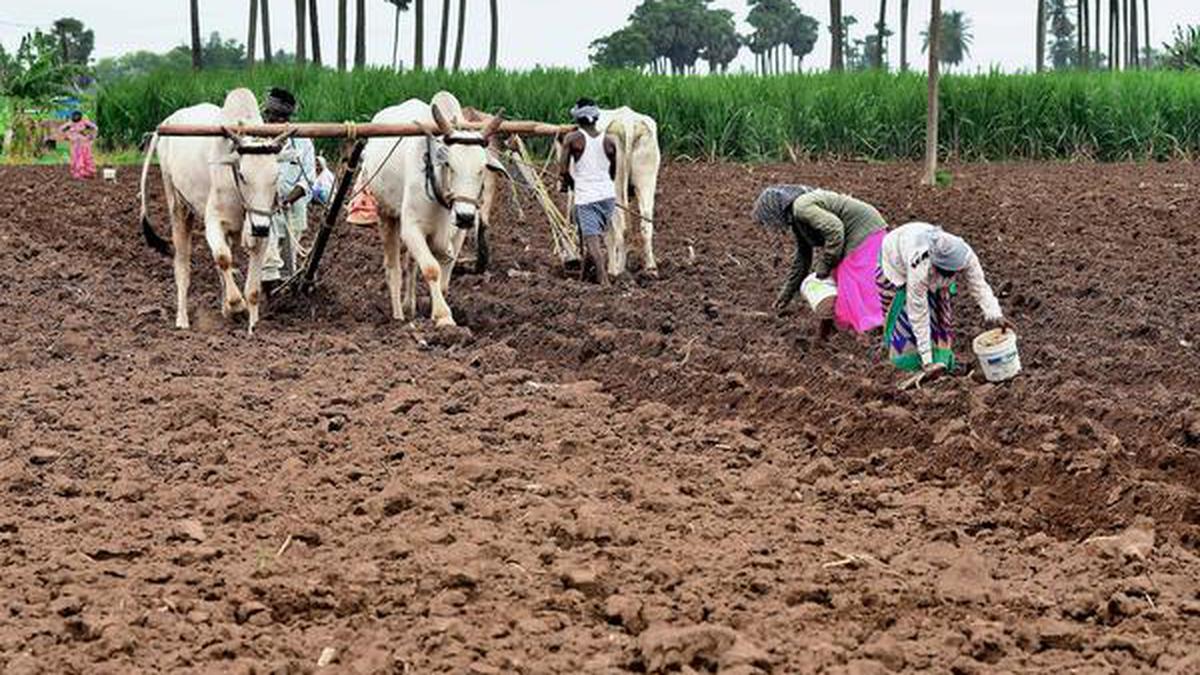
{"x":657,"y":478}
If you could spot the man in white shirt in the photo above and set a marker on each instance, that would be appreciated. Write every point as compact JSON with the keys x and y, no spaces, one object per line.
{"x":588,"y":166}
{"x":297,"y":176}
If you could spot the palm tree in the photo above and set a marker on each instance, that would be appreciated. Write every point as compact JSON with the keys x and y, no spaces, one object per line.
{"x":266,"y":31}
{"x":903,"y":34}
{"x":881,"y":32}
{"x":462,"y":25}
{"x":252,"y":35}
{"x":401,"y":6}
{"x":197,"y":60}
{"x":343,"y":10}
{"x":495,"y":48}
{"x":315,"y":25}
{"x":301,"y":32}
{"x":360,"y":34}
{"x":954,"y":41}
{"x":1114,"y":32}
{"x":445,"y":35}
{"x":934,"y":45}
{"x":836,"y":61}
{"x":1040,"y":35}
{"x":419,"y":37}
{"x":1146,"y":27}
{"x":1134,"y":47}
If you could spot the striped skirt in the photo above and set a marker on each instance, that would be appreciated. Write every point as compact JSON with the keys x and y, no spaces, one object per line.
{"x":898,"y":334}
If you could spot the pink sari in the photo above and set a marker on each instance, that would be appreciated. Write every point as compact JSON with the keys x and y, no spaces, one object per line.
{"x":81,"y":134}
{"x":858,"y":305}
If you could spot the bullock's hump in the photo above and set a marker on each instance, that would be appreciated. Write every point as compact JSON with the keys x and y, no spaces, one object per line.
{"x":412,"y":110}
{"x":241,"y":107}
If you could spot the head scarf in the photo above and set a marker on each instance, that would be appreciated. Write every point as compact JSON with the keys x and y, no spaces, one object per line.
{"x":279,"y":103}
{"x":948,"y":252}
{"x":589,"y":114}
{"x":773,"y":208}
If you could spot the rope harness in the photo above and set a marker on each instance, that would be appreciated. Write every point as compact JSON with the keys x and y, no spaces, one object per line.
{"x":435,"y":169}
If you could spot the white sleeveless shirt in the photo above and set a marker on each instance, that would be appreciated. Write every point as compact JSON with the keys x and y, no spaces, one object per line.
{"x":590,"y":173}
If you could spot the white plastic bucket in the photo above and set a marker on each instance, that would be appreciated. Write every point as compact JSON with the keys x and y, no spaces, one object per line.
{"x":820,"y":294}
{"x":997,"y":353}
{"x":109,"y":175}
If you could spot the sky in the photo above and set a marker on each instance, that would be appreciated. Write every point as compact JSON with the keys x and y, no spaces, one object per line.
{"x":533,"y":32}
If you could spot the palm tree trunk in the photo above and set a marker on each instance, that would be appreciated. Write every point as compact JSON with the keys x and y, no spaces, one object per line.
{"x":1041,"y":35}
{"x":314,"y":23}
{"x":301,"y":32}
{"x":343,"y":9}
{"x":197,"y":48}
{"x":903,"y":35}
{"x":445,"y":43}
{"x":1146,"y":28}
{"x":1096,"y":38}
{"x":252,"y":34}
{"x":419,"y":38}
{"x":837,"y":62}
{"x":931,"y":119}
{"x":879,"y":28}
{"x":360,"y":35}
{"x":396,"y":40}
{"x":1085,"y":61}
{"x":1114,"y":31}
{"x":268,"y":55}
{"x":315,"y":27}
{"x":1134,"y":39}
{"x":462,"y":26}
{"x":494,"y":51}
{"x":1079,"y":33}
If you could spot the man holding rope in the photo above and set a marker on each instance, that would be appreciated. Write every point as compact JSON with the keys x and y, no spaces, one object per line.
{"x":297,"y":174}
{"x":588,"y":166}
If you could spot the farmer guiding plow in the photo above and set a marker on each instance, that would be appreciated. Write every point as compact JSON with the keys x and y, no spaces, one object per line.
{"x":423,"y":164}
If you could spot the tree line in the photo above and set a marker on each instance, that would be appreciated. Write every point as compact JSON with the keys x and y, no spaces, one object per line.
{"x":673,"y":36}
{"x":308,"y":25}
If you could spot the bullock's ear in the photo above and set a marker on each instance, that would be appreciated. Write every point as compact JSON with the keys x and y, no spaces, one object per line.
{"x":496,"y":166}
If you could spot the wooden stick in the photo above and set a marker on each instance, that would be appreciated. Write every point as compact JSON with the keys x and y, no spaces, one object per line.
{"x":355,"y":131}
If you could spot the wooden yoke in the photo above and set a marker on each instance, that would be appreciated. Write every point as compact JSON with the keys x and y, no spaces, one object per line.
{"x":354,"y":131}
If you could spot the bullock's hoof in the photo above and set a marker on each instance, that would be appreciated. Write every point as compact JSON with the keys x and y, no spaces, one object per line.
{"x":652,"y":272}
{"x":182,"y":323}
{"x":444,"y":322}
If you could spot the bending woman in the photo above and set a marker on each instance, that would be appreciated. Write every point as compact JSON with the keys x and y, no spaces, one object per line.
{"x":918,"y":268}
{"x":837,"y":237}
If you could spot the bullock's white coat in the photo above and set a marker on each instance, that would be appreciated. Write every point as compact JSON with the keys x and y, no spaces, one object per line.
{"x":638,"y":161}
{"x":198,"y":181}
{"x":409,"y":218}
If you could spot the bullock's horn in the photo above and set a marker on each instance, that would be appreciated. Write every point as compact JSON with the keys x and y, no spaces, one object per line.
{"x":232,"y":135}
{"x":282,"y":138}
{"x":439,"y":119}
{"x":493,"y":126}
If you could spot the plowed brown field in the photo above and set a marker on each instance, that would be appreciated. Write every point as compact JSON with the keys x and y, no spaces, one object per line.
{"x":658,"y":478}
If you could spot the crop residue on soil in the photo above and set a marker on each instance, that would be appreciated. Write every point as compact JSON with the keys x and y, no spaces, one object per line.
{"x":653,"y":479}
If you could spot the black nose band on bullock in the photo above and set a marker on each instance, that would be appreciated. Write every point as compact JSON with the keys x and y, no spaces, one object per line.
{"x":478,"y":141}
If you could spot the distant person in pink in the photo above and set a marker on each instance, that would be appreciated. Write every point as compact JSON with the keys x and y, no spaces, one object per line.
{"x":81,"y":132}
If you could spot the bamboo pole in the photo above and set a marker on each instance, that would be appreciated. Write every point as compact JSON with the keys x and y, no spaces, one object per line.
{"x":343,"y":130}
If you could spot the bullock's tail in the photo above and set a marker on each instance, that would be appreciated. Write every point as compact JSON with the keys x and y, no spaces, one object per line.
{"x":152,"y":238}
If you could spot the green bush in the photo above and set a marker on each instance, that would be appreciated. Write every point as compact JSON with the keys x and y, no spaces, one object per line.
{"x":1106,"y":116}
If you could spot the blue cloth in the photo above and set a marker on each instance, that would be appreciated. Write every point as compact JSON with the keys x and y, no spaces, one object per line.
{"x":594,"y":219}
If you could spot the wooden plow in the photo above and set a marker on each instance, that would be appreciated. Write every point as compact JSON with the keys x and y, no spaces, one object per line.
{"x":305,"y":279}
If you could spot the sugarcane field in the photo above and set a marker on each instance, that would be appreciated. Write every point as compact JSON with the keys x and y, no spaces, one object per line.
{"x":685,"y":339}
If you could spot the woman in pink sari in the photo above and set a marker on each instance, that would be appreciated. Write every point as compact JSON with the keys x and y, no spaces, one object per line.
{"x":80,"y":132}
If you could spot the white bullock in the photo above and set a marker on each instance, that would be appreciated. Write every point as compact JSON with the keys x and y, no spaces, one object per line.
{"x":228,"y":181}
{"x":638,"y":161}
{"x":429,"y":190}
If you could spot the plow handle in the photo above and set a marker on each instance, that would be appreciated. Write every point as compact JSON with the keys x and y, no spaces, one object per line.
{"x":335,"y":209}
